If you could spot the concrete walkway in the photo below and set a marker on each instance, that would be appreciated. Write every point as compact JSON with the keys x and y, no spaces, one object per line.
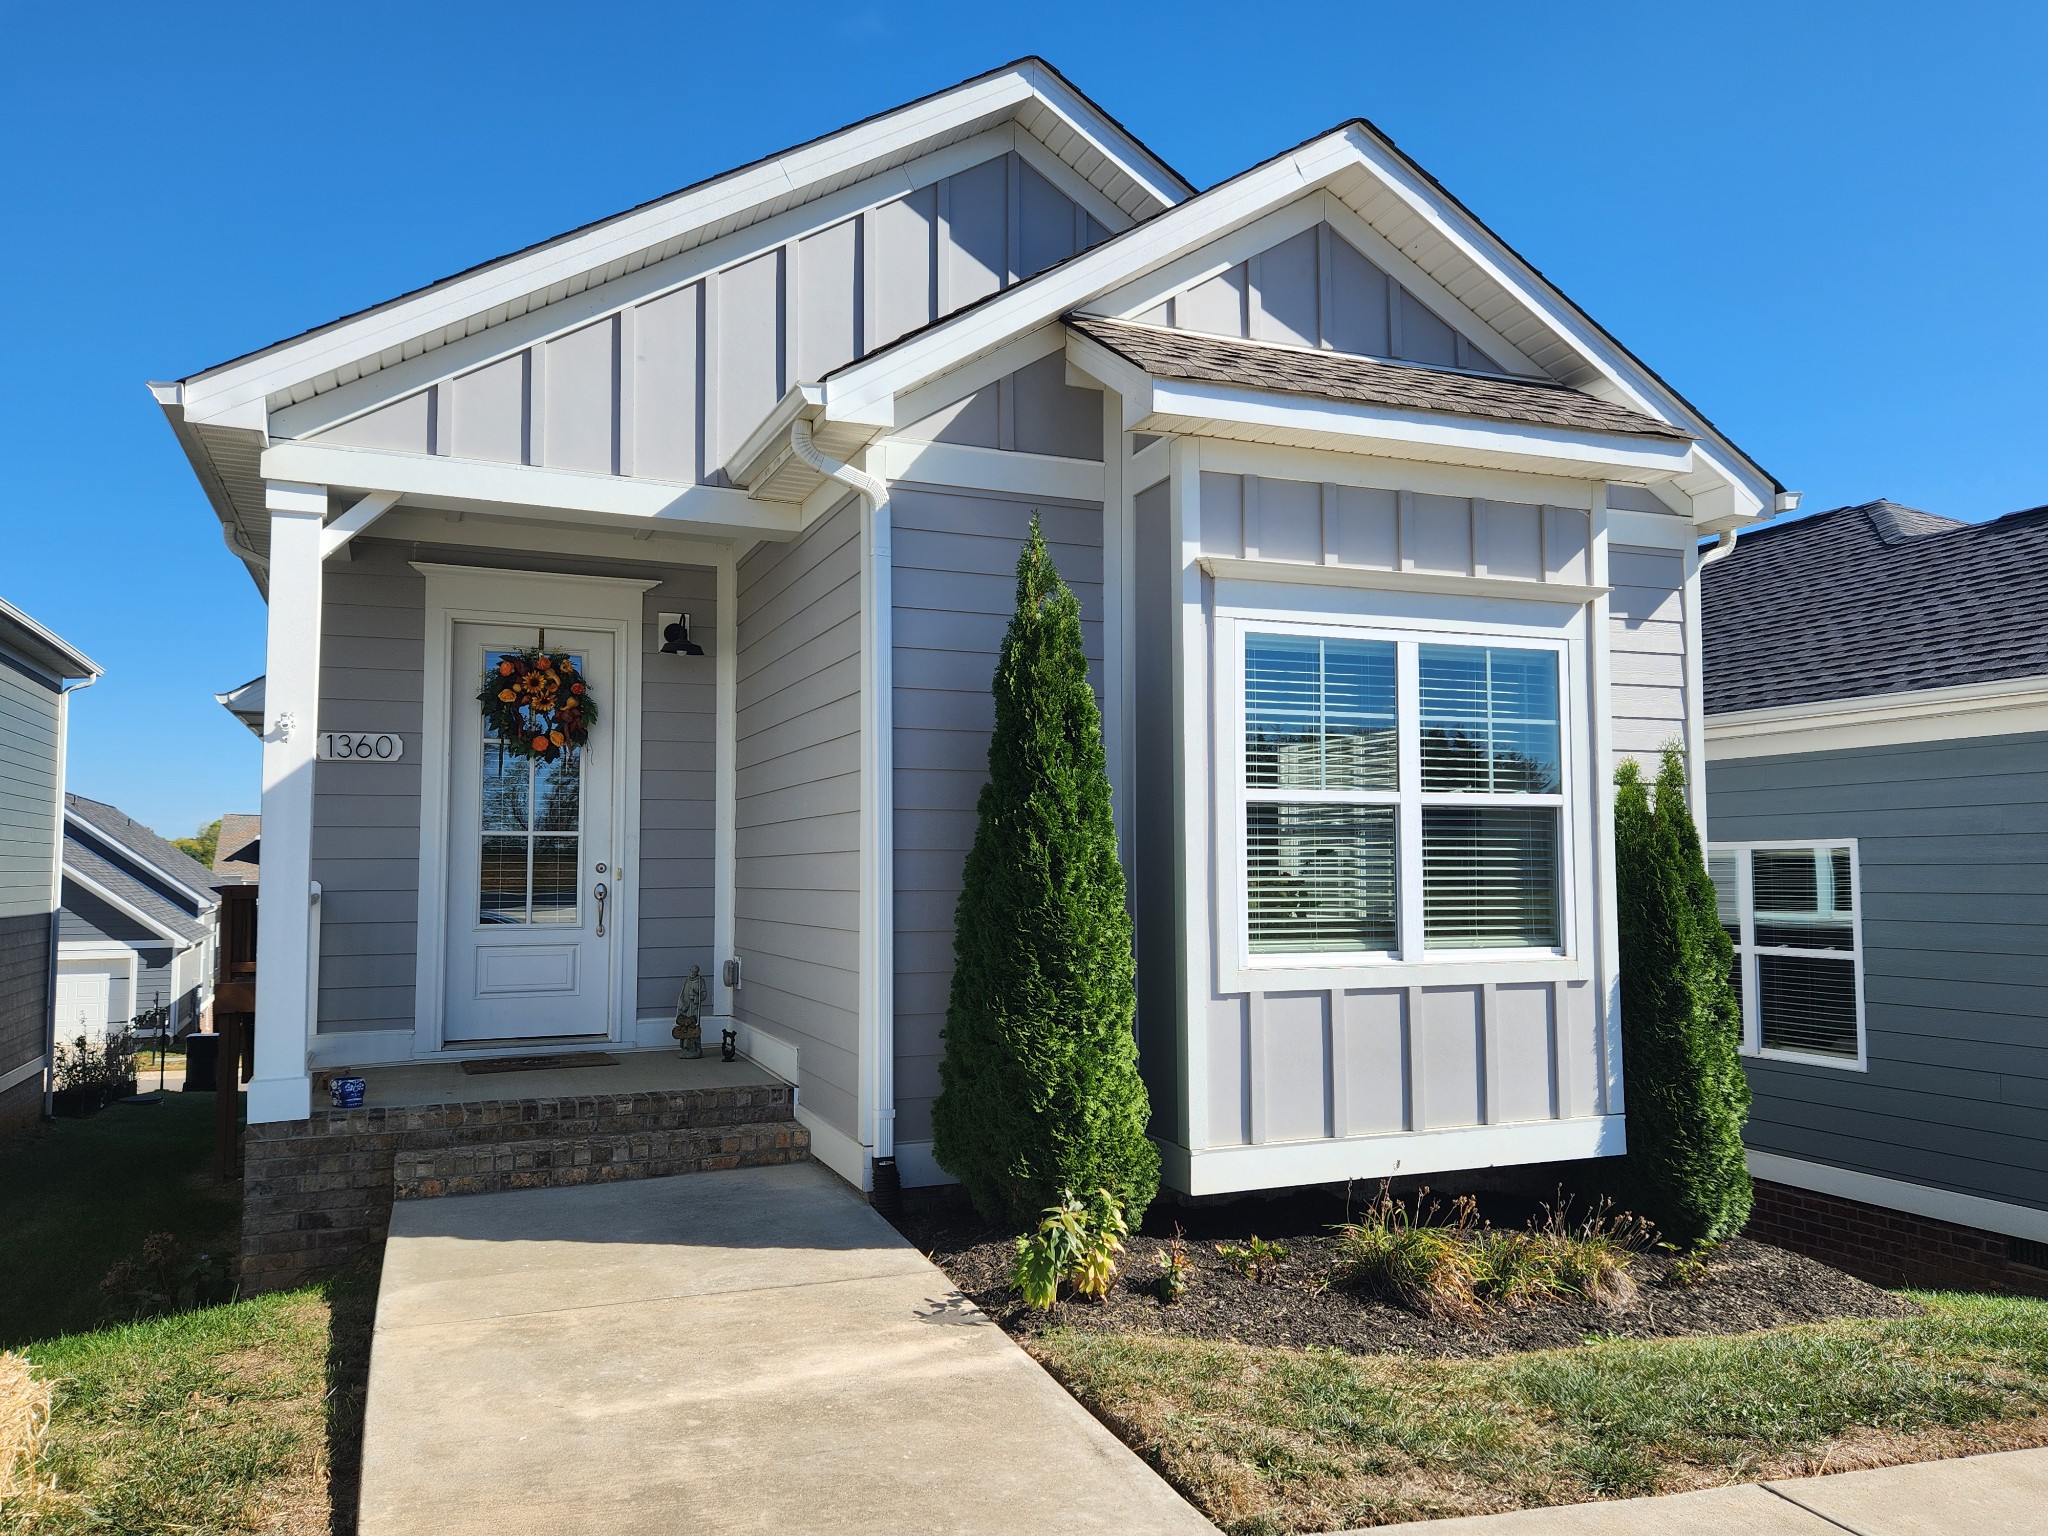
{"x":743,"y":1351}
{"x":2000,"y":1495}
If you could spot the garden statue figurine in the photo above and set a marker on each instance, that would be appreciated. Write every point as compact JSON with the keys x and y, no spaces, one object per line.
{"x":688,"y":1032}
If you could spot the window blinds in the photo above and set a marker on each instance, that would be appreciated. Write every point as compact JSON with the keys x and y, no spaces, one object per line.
{"x":1489,"y":877}
{"x":1320,"y":878}
{"x":1796,"y":945}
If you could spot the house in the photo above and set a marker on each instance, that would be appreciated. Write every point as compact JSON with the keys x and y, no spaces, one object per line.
{"x":1877,"y":796}
{"x":137,"y":929}
{"x":1385,"y":550}
{"x":38,"y":674}
{"x":239,"y":850}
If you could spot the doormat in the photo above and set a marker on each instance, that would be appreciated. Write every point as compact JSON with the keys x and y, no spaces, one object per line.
{"x":540,"y":1063}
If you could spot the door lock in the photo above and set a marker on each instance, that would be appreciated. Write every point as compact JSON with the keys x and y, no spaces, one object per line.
{"x":602,"y":893}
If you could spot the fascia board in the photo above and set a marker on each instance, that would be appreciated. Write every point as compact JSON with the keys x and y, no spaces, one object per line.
{"x":766,"y":442}
{"x":43,"y":646}
{"x":121,"y":904}
{"x":1492,"y":255}
{"x":912,"y":406}
{"x":1132,"y":384}
{"x":863,"y":392}
{"x":100,"y":834}
{"x":2004,"y":707}
{"x":253,"y":379}
{"x":518,"y":490}
{"x":1113,"y":142}
{"x":1176,"y":406}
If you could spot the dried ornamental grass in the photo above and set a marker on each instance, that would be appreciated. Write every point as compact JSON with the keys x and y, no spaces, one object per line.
{"x":24,"y":1417}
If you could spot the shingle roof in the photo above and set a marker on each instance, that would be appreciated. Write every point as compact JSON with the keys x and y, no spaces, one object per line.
{"x":82,"y":859}
{"x":1205,"y":359}
{"x":119,"y":827}
{"x":239,"y":850}
{"x":1875,"y":599}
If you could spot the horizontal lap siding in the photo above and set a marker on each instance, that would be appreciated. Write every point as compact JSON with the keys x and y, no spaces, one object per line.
{"x":1647,"y":646}
{"x":954,"y":562}
{"x":797,"y":829}
{"x":28,"y":806}
{"x":24,"y":983}
{"x":366,"y":818}
{"x":1953,"y":848}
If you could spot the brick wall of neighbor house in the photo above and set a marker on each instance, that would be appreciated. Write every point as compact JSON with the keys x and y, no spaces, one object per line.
{"x":317,"y":1193}
{"x":1888,"y":1247}
{"x":24,"y":986}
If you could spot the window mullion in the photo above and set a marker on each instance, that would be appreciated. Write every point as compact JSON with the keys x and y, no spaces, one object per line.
{"x":1408,"y":831}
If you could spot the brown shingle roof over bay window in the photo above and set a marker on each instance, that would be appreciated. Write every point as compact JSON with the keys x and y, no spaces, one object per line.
{"x":1203,"y":359}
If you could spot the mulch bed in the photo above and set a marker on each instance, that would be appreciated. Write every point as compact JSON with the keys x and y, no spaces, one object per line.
{"x":1306,"y":1302}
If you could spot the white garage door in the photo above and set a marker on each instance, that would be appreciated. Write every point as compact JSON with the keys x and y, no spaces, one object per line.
{"x":89,"y":992}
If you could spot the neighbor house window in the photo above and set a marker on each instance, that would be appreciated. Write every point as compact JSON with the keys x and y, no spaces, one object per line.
{"x":1400,"y":796}
{"x":1791,"y":911}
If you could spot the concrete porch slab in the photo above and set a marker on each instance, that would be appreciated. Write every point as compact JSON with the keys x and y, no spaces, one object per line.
{"x":753,"y":1350}
{"x":444,"y":1082}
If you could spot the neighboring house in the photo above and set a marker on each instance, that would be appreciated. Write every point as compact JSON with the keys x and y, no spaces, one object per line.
{"x":137,"y":930}
{"x":38,"y":673}
{"x":1385,"y":551}
{"x":1877,"y":793}
{"x":239,"y":850}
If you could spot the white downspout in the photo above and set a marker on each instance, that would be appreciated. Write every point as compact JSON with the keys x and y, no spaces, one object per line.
{"x":1724,"y":546}
{"x":878,"y":811}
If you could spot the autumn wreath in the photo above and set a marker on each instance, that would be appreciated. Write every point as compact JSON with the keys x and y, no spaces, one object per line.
{"x":537,"y":704}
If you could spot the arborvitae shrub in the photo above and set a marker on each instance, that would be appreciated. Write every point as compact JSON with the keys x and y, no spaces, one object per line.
{"x":1039,"y":1087}
{"x":1681,"y":1025}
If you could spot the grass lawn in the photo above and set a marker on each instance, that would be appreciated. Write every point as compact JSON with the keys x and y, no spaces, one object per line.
{"x":76,"y":1196}
{"x":227,"y":1419}
{"x":1283,"y":1440}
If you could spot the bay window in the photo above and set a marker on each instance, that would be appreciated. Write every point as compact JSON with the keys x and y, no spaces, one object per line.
{"x":1791,"y":911}
{"x":1403,"y":797}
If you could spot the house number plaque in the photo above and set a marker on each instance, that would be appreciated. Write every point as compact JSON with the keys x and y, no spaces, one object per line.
{"x":361,"y":747}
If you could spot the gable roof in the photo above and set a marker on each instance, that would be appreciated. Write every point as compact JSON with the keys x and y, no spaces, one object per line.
{"x":1874,"y":599}
{"x":140,"y":843}
{"x":1202,"y":358}
{"x":101,"y":876}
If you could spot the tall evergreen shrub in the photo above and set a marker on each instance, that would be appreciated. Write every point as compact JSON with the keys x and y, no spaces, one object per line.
{"x":1039,"y":1083}
{"x":1681,"y":1025}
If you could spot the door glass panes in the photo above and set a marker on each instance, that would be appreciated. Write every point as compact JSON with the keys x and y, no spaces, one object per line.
{"x":1489,"y":877}
{"x":1489,"y":719}
{"x":532,"y":817}
{"x":1320,"y":878}
{"x":1319,"y":713}
{"x":1802,"y":898}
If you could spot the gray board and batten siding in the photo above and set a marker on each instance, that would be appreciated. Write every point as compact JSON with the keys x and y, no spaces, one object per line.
{"x":28,"y":832}
{"x":366,"y":816}
{"x":1328,"y":1063}
{"x":1952,"y":852}
{"x":1315,"y":289}
{"x":796,"y":901}
{"x":666,"y":388}
{"x":955,"y":562}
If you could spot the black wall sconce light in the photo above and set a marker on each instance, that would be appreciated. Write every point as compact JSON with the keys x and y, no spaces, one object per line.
{"x":675,"y":636}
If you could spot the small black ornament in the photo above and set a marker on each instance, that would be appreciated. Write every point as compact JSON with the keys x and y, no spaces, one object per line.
{"x":729,"y":1045}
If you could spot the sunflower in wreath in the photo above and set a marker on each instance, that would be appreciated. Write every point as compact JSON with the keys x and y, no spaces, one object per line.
{"x":537,"y":703}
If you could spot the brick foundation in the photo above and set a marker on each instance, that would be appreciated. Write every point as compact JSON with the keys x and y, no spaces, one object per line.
{"x":317,"y":1193}
{"x":21,"y":1105}
{"x":1887,"y":1247}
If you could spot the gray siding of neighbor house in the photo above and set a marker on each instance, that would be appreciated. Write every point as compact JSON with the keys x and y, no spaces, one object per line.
{"x":668,"y":387}
{"x":797,"y":830}
{"x":1316,"y":289}
{"x":86,"y":919}
{"x":955,"y":562}
{"x":1953,"y":851}
{"x":366,"y":816}
{"x":1647,"y":648}
{"x":28,"y":831}
{"x":1151,"y":807}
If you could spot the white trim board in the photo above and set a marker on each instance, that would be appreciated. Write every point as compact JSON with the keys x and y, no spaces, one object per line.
{"x":834,"y":1148}
{"x":1976,"y":1211}
{"x":1287,"y":1165}
{"x":2008,"y":707}
{"x":23,"y":1073}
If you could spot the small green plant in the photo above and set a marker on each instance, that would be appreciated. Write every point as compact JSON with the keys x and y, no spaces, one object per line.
{"x":83,"y":1065}
{"x":1689,"y":1267}
{"x":1173,"y":1269}
{"x":1073,"y":1244}
{"x":165,"y":1276}
{"x":1514,"y":1269}
{"x":1256,"y":1260}
{"x":1415,"y":1255}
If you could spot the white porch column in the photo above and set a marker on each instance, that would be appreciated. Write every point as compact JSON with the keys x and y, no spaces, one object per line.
{"x":282,"y":1088}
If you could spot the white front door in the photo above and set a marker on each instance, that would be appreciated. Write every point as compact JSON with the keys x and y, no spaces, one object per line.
{"x":532,"y":869}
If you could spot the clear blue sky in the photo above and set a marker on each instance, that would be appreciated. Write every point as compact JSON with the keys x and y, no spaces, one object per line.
{"x":1824,"y":224}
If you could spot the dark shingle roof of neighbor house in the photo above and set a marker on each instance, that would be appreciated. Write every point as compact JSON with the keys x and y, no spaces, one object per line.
{"x":83,"y":860}
{"x":1204,"y":359}
{"x":1875,"y":599}
{"x":118,"y":827}
{"x":240,"y":851}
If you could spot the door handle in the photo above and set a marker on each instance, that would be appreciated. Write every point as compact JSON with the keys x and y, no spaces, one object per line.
{"x":601,"y":893}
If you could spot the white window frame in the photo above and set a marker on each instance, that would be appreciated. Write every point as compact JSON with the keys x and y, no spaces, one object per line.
{"x":1747,"y":949}
{"x":1410,"y":962}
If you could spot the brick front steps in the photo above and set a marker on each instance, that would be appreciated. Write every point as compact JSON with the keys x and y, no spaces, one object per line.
{"x":317,"y":1193}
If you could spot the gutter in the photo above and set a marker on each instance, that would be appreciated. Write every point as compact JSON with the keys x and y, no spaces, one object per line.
{"x":1724,"y":538}
{"x":877,"y":815}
